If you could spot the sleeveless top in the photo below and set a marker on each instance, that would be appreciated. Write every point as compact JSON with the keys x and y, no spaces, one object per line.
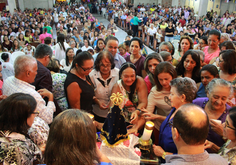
{"x":86,"y":96}
{"x":127,"y":103}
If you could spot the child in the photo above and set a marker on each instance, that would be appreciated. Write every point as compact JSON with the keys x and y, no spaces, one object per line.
{"x":123,"y":51}
{"x":29,"y":50}
{"x":159,"y":35}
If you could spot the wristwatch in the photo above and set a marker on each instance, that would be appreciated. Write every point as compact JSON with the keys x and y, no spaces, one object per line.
{"x":164,"y":155}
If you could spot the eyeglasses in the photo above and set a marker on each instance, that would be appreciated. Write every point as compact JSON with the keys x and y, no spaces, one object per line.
{"x":227,"y":125}
{"x":88,"y":69}
{"x":36,"y":113}
{"x":105,"y":66}
{"x":171,"y":125}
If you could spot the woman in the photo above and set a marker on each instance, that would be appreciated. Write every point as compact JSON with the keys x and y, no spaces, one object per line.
{"x":213,"y":49}
{"x":78,"y":128}
{"x":61,"y":47}
{"x":21,"y":40}
{"x":86,"y":46}
{"x":7,"y":67}
{"x":157,"y":99}
{"x":104,"y":76}
{"x":28,"y":38}
{"x":186,"y":43}
{"x":112,"y":26}
{"x":183,"y":91}
{"x":218,"y":91}
{"x":227,"y":151}
{"x":2,"y":49}
{"x":207,"y":73}
{"x":135,"y":57}
{"x":227,"y":45}
{"x":16,"y":46}
{"x":58,"y":80}
{"x":100,"y":45}
{"x":7,"y":43}
{"x":189,"y":66}
{"x":227,"y":64}
{"x":67,"y":62}
{"x":78,"y":86}
{"x":17,"y":113}
{"x":150,"y":32}
{"x":134,"y":91}
{"x":150,"y":63}
{"x":202,"y":43}
{"x":166,"y":56}
{"x":169,"y":32}
{"x":167,"y":46}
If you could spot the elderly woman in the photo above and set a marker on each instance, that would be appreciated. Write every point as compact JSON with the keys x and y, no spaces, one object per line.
{"x":134,"y":91}
{"x":150,"y":63}
{"x":183,"y":91}
{"x":112,"y":26}
{"x":104,"y":76}
{"x":17,"y":113}
{"x":80,"y":135}
{"x":227,"y":151}
{"x":218,"y":91}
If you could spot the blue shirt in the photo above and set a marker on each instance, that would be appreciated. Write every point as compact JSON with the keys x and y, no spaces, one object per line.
{"x":201,"y":91}
{"x":165,"y":136}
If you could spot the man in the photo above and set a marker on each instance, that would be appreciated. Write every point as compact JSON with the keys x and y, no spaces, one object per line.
{"x":43,"y":79}
{"x":25,"y":71}
{"x":112,"y":43}
{"x":182,"y":21}
{"x":189,"y":132}
{"x":62,"y":31}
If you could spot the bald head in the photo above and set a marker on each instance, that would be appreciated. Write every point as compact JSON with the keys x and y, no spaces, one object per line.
{"x":23,"y":63}
{"x":192,"y":123}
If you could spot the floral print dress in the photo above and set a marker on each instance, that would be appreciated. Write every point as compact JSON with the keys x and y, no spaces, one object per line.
{"x":17,"y":149}
{"x":127,"y":103}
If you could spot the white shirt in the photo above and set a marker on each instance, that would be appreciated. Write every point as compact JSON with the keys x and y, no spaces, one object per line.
{"x":103,"y":92}
{"x":7,"y":70}
{"x":151,"y":31}
{"x":59,"y":52}
{"x":86,"y":49}
{"x":14,"y":85}
{"x":65,"y":67}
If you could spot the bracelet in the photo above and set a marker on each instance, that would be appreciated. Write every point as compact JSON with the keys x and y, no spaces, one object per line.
{"x":164,"y":155}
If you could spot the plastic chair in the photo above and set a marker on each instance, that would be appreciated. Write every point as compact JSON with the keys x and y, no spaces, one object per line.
{"x":175,"y":44}
{"x":15,"y":55}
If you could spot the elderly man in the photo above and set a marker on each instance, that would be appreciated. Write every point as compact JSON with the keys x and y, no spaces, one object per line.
{"x":190,"y":128}
{"x":25,"y":71}
{"x":112,"y":46}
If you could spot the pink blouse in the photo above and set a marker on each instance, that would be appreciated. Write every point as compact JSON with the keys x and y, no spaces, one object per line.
{"x":208,"y":56}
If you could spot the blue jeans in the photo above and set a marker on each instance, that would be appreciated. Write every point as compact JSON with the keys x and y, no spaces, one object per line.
{"x":168,"y":39}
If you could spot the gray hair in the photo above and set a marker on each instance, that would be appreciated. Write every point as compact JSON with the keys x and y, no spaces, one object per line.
{"x":22,"y":63}
{"x":219,"y":82}
{"x":201,"y":53}
{"x":43,"y":50}
{"x":169,"y":45}
{"x":186,"y":86}
{"x":226,"y":36}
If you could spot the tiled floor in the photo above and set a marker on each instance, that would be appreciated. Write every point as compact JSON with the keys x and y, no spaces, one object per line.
{"x":120,"y":34}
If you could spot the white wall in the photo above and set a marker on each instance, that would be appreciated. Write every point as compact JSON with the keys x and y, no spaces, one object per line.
{"x":11,"y":5}
{"x":136,"y":2}
{"x":30,"y":4}
{"x":196,"y":6}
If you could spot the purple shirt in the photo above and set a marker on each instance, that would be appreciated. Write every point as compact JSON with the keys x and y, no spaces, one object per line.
{"x":212,"y":136}
{"x":138,"y":64}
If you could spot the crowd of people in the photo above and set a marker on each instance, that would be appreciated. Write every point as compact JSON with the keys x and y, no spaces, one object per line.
{"x":59,"y":65}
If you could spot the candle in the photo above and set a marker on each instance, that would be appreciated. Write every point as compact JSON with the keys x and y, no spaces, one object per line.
{"x":147,"y":130}
{"x":91,"y":116}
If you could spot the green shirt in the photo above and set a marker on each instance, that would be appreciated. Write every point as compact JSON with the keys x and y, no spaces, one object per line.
{"x":48,"y":28}
{"x":136,"y":20}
